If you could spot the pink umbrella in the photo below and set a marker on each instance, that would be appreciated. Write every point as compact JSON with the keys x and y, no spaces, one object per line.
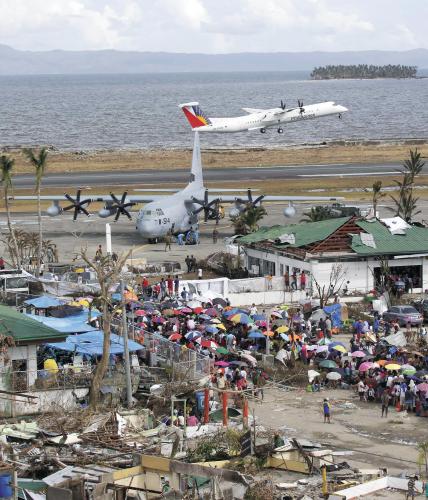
{"x":159,"y":320}
{"x":322,"y":348}
{"x":140,"y":312}
{"x":422,"y":387}
{"x":221,"y":363}
{"x":186,"y":310}
{"x":358,"y":354}
{"x":366,"y":366}
{"x":261,"y":323}
{"x":212,"y":312}
{"x":250,"y":359}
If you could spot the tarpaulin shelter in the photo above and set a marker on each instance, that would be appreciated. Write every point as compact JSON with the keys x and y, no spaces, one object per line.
{"x":335,"y":313}
{"x":91,"y":343}
{"x":44,"y":302}
{"x":70,"y":324}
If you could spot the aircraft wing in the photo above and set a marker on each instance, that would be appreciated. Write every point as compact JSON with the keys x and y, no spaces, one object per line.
{"x":137,"y":198}
{"x":233,"y":198}
{"x":253,"y":110}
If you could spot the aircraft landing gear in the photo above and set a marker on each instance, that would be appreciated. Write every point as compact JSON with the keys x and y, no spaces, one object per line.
{"x":263,"y":130}
{"x":153,"y":241}
{"x":280,"y":130}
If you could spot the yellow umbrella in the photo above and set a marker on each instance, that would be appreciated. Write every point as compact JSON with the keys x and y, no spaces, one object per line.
{"x":393,"y":366}
{"x":84,"y":303}
{"x":221,"y":326}
{"x":340,"y":348}
{"x":216,"y":321}
{"x":282,"y":329}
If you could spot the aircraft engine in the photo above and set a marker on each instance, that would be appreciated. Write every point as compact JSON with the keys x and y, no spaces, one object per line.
{"x":54,"y":210}
{"x":106,"y":212}
{"x":234,"y":212}
{"x":289,"y":211}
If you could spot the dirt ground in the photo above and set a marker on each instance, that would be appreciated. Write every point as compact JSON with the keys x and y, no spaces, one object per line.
{"x":371,"y":152}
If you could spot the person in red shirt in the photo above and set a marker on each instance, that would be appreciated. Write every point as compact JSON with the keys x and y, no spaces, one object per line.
{"x":1,"y":263}
{"x":302,"y":280}
{"x":170,"y":286}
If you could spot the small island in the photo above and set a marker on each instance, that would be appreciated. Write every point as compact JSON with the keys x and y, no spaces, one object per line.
{"x":366,"y":71}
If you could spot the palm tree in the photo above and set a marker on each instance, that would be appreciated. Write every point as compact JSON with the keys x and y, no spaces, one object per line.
{"x":39,"y":162}
{"x":317,"y":214}
{"x":247,"y":221}
{"x":6,"y":165}
{"x":376,"y":195}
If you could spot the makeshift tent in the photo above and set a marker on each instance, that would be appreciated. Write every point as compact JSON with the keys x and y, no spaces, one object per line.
{"x":71,"y":324}
{"x":44,"y":302}
{"x":92,"y":343}
{"x":335,"y":313}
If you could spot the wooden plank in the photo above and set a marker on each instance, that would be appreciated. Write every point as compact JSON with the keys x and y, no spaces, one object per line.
{"x":155,"y":463}
{"x":124,"y":473}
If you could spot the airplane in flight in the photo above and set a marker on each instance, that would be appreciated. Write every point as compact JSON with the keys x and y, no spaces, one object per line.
{"x":259,"y":119}
{"x":166,"y":213}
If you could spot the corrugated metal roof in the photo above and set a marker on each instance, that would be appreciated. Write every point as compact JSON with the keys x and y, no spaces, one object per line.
{"x":304,"y":233}
{"x":415,"y":240}
{"x":24,"y":329}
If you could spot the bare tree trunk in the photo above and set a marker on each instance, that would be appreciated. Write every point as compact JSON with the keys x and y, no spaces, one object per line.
{"x":15,"y":252}
{"x":40,"y":245}
{"x":100,"y":371}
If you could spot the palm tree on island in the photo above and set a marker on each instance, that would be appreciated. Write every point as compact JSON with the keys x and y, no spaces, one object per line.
{"x":6,"y":165}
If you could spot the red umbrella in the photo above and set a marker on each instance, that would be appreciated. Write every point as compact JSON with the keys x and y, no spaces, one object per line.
{"x":140,"y":312}
{"x":185,"y":310}
{"x":212,"y":312}
{"x":208,"y":343}
{"x":175,"y":336}
{"x":159,"y":320}
{"x":197,"y":310}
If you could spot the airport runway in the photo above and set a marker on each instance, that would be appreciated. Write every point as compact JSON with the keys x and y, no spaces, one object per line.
{"x":147,"y":178}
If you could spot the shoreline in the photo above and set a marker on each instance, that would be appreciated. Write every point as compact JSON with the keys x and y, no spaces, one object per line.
{"x":334,"y":152}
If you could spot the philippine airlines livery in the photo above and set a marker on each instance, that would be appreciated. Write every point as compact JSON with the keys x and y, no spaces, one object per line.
{"x":259,"y":119}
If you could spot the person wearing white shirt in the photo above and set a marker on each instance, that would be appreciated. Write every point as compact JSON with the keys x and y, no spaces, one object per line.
{"x":243,"y":373}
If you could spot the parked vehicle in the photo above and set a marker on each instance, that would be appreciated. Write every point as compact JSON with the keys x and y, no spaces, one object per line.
{"x":403,"y":315}
{"x":422,"y":307}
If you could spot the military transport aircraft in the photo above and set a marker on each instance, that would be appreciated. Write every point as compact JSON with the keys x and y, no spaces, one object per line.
{"x":259,"y":119}
{"x":176,"y":213}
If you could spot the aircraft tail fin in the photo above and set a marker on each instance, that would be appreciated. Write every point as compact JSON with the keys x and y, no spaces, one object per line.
{"x":194,"y":114}
{"x":196,"y":171}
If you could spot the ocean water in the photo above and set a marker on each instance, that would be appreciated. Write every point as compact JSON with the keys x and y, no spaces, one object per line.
{"x":89,"y":112}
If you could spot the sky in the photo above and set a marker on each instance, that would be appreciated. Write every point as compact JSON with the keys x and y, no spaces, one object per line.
{"x":214,"y":26}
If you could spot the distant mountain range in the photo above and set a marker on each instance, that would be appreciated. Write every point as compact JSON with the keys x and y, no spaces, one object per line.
{"x":24,"y":62}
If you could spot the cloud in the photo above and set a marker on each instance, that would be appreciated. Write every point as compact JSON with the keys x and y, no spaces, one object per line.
{"x":214,"y":25}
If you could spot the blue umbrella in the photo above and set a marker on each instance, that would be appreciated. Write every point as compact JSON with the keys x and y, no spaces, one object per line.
{"x":205,"y":317}
{"x":256,"y":335}
{"x":259,"y":317}
{"x":193,"y":335}
{"x":211,"y":329}
{"x":285,"y":337}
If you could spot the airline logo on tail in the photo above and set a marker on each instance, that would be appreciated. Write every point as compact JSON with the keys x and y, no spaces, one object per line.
{"x":195,"y":115}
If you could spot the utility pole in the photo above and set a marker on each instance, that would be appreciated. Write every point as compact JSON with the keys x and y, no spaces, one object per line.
{"x":268,"y":330}
{"x":125,"y":347}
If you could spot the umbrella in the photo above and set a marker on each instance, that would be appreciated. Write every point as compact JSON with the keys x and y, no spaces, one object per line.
{"x":186,"y":310}
{"x":358,"y":354}
{"x":268,"y":333}
{"x":367,"y":365}
{"x":324,"y":341}
{"x":222,"y":350}
{"x":197,"y":310}
{"x":208,"y":343}
{"x":422,"y":387}
{"x":159,"y":320}
{"x":259,"y":317}
{"x":194,"y":303}
{"x":221,"y":363}
{"x":256,"y":335}
{"x":322,"y":348}
{"x":328,"y":363}
{"x":408,"y":370}
{"x":168,"y":312}
{"x":230,"y":312}
{"x":282,"y":329}
{"x":193,"y":335}
{"x":213,"y":313}
{"x":242,"y":318}
{"x":140,"y":312}
{"x":218,"y":301}
{"x":382,"y":362}
{"x":334,"y":376}
{"x":175,"y":336}
{"x":312,"y":347}
{"x":284,"y":337}
{"x":211,"y":329}
{"x":392,"y":366}
{"x":221,"y":326}
{"x":312,"y":374}
{"x":215,"y":321}
{"x":205,"y":317}
{"x":334,"y":344}
{"x":339,"y":348}
{"x":238,"y":363}
{"x":276,"y":314}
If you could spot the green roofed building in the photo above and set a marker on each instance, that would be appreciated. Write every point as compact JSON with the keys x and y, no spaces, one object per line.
{"x":359,"y":246}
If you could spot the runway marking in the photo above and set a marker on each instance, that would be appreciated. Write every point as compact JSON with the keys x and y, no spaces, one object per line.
{"x":350,"y":174}
{"x":270,"y":167}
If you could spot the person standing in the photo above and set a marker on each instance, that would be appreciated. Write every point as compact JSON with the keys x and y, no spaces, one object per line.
{"x":328,"y":327}
{"x":162,"y":289}
{"x":98,"y":253}
{"x":302,"y":280}
{"x":385,"y":398}
{"x":170,"y":285}
{"x":1,"y":263}
{"x":192,"y":263}
{"x":176,"y":285}
{"x":215,"y":236}
{"x":287,"y":281}
{"x":180,"y":239}
{"x":168,"y":241}
{"x":188,"y":262}
{"x":294,"y":280}
{"x":326,"y":410}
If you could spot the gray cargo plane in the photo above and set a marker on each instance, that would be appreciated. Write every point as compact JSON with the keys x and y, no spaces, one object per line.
{"x":176,"y":213}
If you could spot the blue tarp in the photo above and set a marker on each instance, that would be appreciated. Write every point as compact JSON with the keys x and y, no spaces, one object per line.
{"x":335,"y":313}
{"x":44,"y":302}
{"x":92,"y":343}
{"x":70,"y":324}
